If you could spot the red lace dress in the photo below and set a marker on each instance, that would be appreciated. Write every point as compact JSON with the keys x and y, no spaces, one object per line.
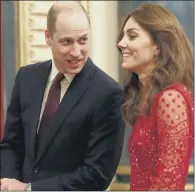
{"x":161,"y":145}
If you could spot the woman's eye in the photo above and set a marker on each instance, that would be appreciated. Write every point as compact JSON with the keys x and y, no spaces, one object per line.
{"x":132,"y":37}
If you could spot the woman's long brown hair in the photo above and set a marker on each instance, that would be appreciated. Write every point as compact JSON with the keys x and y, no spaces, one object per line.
{"x":174,"y":63}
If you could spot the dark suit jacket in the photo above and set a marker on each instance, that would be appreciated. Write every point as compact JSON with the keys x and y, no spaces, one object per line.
{"x":83,"y":147}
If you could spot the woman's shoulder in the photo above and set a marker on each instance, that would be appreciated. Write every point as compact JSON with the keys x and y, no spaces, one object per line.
{"x":175,"y":89}
{"x":175,"y":93}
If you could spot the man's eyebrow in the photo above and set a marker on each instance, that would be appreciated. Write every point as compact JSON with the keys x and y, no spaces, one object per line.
{"x":71,"y":38}
{"x":84,"y":35}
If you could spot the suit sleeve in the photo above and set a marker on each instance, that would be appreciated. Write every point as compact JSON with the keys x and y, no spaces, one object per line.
{"x":103,"y":154}
{"x":12,"y":144}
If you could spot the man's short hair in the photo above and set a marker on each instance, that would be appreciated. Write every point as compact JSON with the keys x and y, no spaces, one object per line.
{"x":53,"y":13}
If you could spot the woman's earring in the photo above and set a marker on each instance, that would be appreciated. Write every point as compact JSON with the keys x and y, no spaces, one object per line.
{"x":156,"y":54}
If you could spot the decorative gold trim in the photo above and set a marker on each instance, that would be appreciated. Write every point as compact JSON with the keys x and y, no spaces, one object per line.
{"x":22,"y":31}
{"x":40,"y":46}
{"x":123,"y":170}
{"x":126,"y":187}
{"x":39,"y":14}
{"x":38,"y":30}
{"x":126,"y":170}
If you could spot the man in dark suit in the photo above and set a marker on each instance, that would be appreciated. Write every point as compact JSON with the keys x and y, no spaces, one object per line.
{"x":64,"y":129}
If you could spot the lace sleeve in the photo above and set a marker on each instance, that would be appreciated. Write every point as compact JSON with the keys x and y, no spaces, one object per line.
{"x":173,"y":142}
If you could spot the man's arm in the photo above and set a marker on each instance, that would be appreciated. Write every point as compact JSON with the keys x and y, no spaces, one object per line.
{"x":103,"y":154}
{"x":12,"y":144}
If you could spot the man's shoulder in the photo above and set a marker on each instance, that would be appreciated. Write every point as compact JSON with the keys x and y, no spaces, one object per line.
{"x":35,"y":65}
{"x":30,"y":70}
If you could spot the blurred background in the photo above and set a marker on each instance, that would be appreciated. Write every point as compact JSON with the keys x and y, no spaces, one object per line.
{"x":22,"y":42}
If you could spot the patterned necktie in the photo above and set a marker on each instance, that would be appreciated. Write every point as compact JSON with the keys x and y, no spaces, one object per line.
{"x":53,"y":99}
{"x":51,"y":107}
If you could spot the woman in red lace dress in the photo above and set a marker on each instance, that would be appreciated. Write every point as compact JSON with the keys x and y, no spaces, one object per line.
{"x":158,"y":60}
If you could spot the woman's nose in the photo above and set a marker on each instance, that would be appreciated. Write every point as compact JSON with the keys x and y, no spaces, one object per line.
{"x":122,"y":44}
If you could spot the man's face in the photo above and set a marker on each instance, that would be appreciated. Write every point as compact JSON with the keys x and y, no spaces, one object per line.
{"x":69,"y":43}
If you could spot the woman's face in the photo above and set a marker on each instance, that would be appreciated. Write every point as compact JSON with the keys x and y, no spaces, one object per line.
{"x":137,"y":47}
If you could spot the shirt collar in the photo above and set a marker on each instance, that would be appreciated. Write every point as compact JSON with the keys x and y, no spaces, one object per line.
{"x":54,"y":72}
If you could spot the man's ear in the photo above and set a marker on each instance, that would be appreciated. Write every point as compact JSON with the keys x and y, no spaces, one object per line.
{"x":47,"y":37}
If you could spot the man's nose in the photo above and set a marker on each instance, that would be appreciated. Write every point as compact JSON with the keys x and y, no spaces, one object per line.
{"x":75,"y":51}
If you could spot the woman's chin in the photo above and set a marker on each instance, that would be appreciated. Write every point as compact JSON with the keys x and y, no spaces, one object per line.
{"x":126,"y":66}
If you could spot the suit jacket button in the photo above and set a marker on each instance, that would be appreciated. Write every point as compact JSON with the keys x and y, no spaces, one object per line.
{"x":36,"y":170}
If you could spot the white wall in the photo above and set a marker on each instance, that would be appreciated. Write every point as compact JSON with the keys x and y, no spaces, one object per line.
{"x":104,"y":29}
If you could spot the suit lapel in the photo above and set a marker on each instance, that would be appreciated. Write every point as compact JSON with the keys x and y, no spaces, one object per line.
{"x":77,"y":88}
{"x":39,"y":89}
